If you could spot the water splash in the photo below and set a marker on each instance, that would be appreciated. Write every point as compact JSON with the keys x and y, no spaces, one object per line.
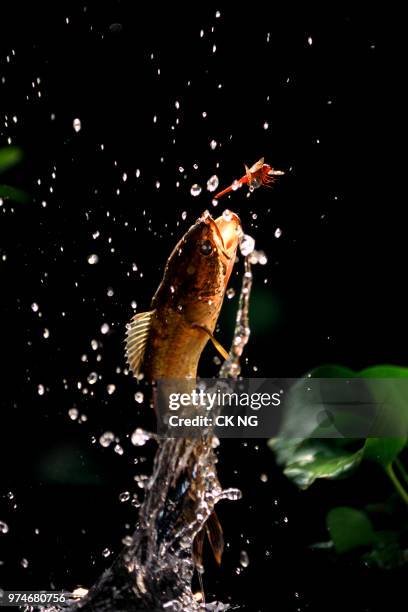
{"x":155,"y":570}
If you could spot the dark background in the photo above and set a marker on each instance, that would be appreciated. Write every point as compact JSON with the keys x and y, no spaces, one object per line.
{"x":332,"y":291}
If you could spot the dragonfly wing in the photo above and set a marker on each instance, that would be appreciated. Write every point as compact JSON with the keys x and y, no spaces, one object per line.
{"x":257,"y":165}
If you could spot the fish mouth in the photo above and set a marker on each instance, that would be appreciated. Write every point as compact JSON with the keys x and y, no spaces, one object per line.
{"x":227,"y":233}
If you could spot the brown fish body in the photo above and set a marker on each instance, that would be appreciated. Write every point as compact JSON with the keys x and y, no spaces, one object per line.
{"x":174,"y":347}
{"x":167,"y":341}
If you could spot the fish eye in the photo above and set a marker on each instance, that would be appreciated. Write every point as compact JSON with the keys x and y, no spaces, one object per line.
{"x":205,"y":247}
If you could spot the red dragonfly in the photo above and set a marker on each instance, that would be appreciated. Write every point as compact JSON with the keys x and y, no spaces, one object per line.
{"x":255,"y":176}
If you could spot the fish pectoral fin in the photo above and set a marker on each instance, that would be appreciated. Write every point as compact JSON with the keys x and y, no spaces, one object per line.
{"x":215,"y":536}
{"x":136,"y":339}
{"x":215,"y":342}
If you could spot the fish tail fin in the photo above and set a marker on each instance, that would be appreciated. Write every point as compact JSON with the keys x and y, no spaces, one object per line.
{"x":215,"y":536}
{"x":198,"y":545}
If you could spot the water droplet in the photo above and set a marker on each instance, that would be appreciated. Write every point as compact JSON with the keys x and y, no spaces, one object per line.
{"x":265,"y":125}
{"x":310,"y":40}
{"x":118,"y":449}
{"x":76,"y":124}
{"x":184,"y":215}
{"x":92,"y":378}
{"x":46,"y":333}
{"x":137,"y":173}
{"x":213,"y":183}
{"x":94,"y":344}
{"x":230,"y":293}
{"x":79,"y":592}
{"x":105,"y":328}
{"x":133,"y":304}
{"x":127,"y":540}
{"x":243,"y":558}
{"x":73,"y":413}
{"x":264,"y":477}
{"x":139,"y":437}
{"x":231,"y":494}
{"x":227,"y":215}
{"x":4,"y":528}
{"x":24,"y":563}
{"x":213,"y":144}
{"x":110,"y":292}
{"x":111,"y":389}
{"x":106,"y":439}
{"x":258,"y":257}
{"x":41,"y":389}
{"x":195,"y":190}
{"x":34,"y":307}
{"x":139,"y":397}
{"x":106,"y":552}
{"x":93,"y":259}
{"x":214,"y":48}
{"x":124,"y":177}
{"x":278,"y":232}
{"x":247,"y":245}
{"x":124,"y":497}
{"x":236,"y":185}
{"x":218,"y":14}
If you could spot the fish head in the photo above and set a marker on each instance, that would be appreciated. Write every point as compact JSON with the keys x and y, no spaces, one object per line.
{"x":198,"y":269}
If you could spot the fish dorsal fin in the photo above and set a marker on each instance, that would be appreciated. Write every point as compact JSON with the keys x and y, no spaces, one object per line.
{"x":247,"y":172}
{"x":136,"y":340}
{"x":215,"y":342}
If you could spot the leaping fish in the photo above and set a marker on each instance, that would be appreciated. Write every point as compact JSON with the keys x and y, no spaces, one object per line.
{"x":167,"y":341}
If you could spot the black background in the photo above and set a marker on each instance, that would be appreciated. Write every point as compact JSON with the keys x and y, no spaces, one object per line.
{"x":332,"y":291}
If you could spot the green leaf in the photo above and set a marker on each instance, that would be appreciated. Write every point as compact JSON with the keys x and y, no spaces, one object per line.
{"x":386,"y":552}
{"x":9,"y":156}
{"x":383,"y":371}
{"x":319,"y":459}
{"x":383,"y":450}
{"x":331,"y":370}
{"x":306,"y":458}
{"x":12,"y":193}
{"x":349,"y":529}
